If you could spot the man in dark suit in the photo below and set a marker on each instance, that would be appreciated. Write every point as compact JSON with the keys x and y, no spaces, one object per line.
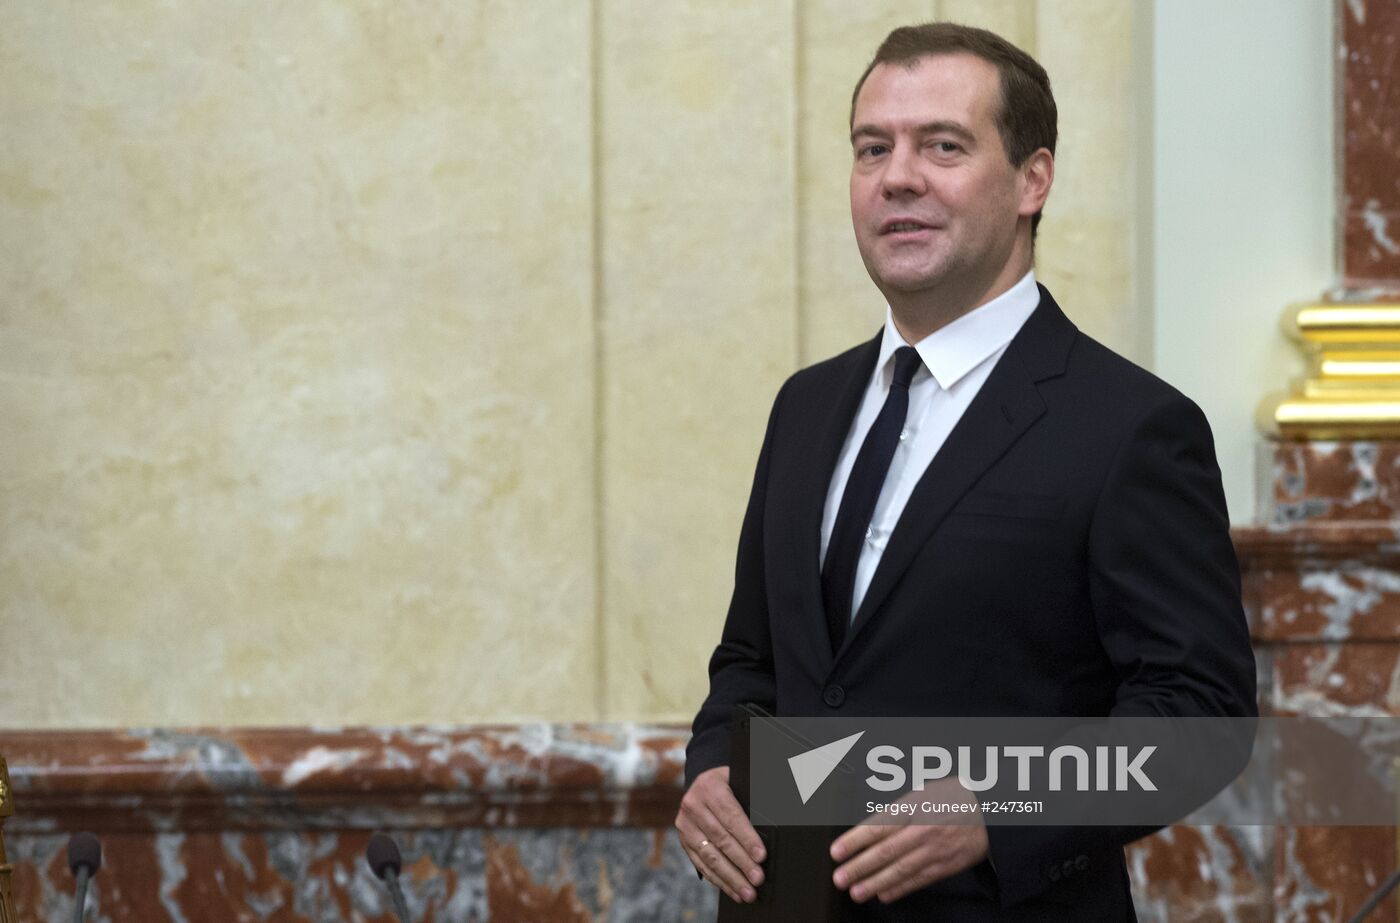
{"x":980,"y":512}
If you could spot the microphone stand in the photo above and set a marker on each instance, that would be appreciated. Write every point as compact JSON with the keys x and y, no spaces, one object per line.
{"x":391,"y":878}
{"x":1376,"y":898}
{"x":80,"y":904}
{"x":84,"y":859}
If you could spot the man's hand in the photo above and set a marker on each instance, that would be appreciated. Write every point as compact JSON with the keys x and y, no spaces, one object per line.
{"x":718,"y":837}
{"x":888,"y":861}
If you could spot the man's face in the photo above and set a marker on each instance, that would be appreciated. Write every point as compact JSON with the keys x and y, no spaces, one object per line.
{"x":934,"y":200}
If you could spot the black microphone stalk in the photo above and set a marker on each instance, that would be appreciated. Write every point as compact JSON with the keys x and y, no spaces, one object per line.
{"x":84,"y":859}
{"x":386,"y":862}
{"x":1375,"y":899}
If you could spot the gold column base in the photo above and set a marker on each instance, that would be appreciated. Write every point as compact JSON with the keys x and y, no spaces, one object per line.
{"x":1352,"y":390}
{"x":1293,"y":416}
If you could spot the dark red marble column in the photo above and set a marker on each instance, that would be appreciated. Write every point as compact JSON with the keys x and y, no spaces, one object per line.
{"x":1321,"y":589}
{"x":1368,"y":148}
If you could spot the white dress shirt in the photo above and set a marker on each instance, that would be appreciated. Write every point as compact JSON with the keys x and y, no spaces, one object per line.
{"x":957,"y":359}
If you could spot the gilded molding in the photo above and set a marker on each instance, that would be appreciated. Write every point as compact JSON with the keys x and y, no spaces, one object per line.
{"x":1352,"y":387}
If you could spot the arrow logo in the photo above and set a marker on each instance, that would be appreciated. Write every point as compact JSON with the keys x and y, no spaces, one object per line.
{"x":810,"y":769}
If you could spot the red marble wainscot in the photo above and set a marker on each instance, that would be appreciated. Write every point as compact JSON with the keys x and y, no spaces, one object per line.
{"x":1357,"y":601}
{"x":514,"y":823}
{"x":448,"y":876}
{"x":1324,"y":874}
{"x":1323,"y":598}
{"x":1355,"y":483}
{"x":1355,"y":678}
{"x":526,"y":775}
{"x":569,"y":821}
{"x":1203,"y":874}
{"x":276,"y":820}
{"x":1320,"y":581}
{"x":1369,"y":147}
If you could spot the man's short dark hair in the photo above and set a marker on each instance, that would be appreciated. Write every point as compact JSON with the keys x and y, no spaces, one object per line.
{"x":1026,"y":117}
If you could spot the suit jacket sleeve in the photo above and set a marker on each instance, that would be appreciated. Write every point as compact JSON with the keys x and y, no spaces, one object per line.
{"x":741,"y":668}
{"x":1165,"y":589}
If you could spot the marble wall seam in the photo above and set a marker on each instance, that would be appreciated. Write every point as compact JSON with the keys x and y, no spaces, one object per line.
{"x":699,"y":312}
{"x":599,"y":382}
{"x":1014,"y":20}
{"x":841,"y":306}
{"x":1143,"y":146}
{"x":799,"y":241}
{"x":1084,"y":251}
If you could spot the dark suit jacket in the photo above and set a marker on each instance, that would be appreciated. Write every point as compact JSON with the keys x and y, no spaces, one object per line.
{"x":1066,"y":553}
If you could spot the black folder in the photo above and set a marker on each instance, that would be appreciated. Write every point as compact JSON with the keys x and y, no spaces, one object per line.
{"x":797,"y":872}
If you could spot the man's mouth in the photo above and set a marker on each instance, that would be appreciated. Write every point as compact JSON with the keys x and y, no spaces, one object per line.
{"x":904,"y":227}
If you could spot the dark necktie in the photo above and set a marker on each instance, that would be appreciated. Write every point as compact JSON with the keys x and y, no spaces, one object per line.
{"x":858,"y":500}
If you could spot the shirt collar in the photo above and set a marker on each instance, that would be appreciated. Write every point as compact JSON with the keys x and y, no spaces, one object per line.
{"x":950,"y":352}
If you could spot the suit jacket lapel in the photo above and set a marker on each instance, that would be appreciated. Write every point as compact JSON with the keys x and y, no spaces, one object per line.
{"x":1006,"y":406}
{"x":844,"y":397}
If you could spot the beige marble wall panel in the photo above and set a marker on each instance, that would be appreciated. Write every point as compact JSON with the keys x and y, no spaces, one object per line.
{"x":295,"y":346}
{"x":699,"y":319}
{"x":300,"y":316}
{"x":1013,"y":20}
{"x":840,"y":305}
{"x":1087,"y":251}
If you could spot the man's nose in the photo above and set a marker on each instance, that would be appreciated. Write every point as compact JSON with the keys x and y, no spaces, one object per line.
{"x":903,"y":175}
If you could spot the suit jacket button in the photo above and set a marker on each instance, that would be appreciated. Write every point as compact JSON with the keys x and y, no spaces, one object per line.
{"x":834,"y":695}
{"x":1081,"y":862}
{"x":1053,"y":873}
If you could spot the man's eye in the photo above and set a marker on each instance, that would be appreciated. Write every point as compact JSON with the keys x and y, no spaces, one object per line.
{"x":872,"y":150}
{"x":947,"y":147}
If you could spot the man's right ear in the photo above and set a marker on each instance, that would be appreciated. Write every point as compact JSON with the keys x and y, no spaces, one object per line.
{"x":1037,"y":176}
